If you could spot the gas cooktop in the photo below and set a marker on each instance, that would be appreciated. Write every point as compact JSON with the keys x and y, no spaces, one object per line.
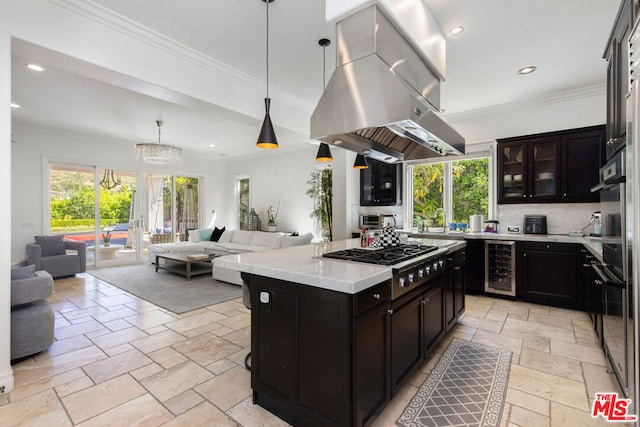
{"x":386,"y":256}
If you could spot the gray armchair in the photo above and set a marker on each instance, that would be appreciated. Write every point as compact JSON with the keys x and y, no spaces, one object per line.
{"x":50,"y":253}
{"x":32,"y":318}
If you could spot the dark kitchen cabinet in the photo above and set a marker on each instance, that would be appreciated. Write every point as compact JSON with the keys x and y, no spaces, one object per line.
{"x":417,"y":327}
{"x":296,"y":374}
{"x":371,"y":354}
{"x":406,"y":337}
{"x":381,"y":184}
{"x":547,"y":273}
{"x":551,"y":167}
{"x":474,"y":267}
{"x":590,"y":290}
{"x":528,"y":169}
{"x":454,"y":284}
{"x":617,"y":56}
{"x":433,"y":320}
{"x":583,"y":155}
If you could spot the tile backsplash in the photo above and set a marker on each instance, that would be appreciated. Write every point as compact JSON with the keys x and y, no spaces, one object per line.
{"x":561,"y":217}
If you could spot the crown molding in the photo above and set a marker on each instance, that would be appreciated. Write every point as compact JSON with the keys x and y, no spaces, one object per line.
{"x":104,"y":16}
{"x":565,"y":96}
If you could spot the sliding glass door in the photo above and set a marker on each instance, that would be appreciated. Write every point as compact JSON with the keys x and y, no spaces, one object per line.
{"x":118,"y":213}
{"x":170,"y":207}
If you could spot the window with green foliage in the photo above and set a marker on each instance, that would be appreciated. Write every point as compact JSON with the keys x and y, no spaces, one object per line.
{"x":461,"y":187}
{"x":470,"y":188}
{"x":428,"y":192}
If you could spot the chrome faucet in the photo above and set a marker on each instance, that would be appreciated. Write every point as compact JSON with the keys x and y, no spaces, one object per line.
{"x":444,"y":214}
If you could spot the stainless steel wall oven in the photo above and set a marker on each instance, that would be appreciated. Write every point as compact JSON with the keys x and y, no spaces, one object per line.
{"x":614,"y":273}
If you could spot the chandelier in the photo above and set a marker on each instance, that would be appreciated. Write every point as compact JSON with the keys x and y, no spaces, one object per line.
{"x":109,"y":180}
{"x":158,"y":153}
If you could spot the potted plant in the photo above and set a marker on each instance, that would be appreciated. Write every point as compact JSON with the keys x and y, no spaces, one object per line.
{"x":106,"y":239}
{"x":272,"y":215}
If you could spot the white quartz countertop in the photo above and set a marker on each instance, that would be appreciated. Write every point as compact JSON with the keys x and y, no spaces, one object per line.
{"x":305,"y":265}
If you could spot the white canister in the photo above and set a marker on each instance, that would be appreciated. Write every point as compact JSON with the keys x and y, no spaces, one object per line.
{"x":475,"y":223}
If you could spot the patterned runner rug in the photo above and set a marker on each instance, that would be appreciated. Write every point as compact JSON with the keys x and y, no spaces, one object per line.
{"x":467,"y":387}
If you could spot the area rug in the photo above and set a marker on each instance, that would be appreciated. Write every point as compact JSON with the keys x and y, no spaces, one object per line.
{"x":167,"y":290}
{"x":467,"y":387}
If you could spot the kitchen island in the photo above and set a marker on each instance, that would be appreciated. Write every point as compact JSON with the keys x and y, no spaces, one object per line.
{"x":330,"y":345}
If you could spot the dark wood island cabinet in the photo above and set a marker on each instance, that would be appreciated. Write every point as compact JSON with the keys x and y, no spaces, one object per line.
{"x":321,"y":357}
{"x":318,"y":356}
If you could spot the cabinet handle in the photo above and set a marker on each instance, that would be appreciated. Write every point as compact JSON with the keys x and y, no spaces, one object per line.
{"x":390,"y":311}
{"x":457,"y":268}
{"x":524,"y":195}
{"x":598,"y":282}
{"x":376,"y":296}
{"x":548,"y":246}
{"x":524,"y":254}
{"x":564,"y":194}
{"x":426,"y":300}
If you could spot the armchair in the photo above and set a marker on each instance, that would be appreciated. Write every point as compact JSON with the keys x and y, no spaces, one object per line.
{"x":32,"y":318}
{"x":49,"y":253}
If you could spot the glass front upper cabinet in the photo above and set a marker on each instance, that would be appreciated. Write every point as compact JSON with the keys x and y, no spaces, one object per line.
{"x":512,"y":172}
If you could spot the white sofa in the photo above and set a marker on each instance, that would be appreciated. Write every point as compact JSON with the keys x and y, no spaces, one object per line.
{"x":231,"y":242}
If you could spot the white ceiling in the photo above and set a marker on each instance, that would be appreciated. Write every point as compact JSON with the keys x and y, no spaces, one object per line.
{"x":564,"y":39}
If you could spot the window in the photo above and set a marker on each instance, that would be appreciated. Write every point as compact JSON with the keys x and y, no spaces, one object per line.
{"x":460,"y":187}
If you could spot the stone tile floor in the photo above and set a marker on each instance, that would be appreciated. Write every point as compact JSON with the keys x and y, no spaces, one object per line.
{"x":121,"y":361}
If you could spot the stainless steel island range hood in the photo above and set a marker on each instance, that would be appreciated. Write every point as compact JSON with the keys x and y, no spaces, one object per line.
{"x":382,"y":98}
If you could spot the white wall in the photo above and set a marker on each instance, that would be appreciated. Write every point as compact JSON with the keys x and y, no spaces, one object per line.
{"x":276,"y":176}
{"x":37,"y":145}
{"x":6,"y":373}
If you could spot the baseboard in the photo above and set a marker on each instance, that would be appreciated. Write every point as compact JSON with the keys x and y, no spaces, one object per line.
{"x":6,"y":384}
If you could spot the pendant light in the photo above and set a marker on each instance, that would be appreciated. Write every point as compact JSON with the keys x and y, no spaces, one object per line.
{"x":361,"y":162}
{"x":324,"y":152}
{"x":267,"y":137}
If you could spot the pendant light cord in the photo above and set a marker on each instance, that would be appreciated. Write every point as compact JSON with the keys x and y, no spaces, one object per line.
{"x":324,"y":67}
{"x":268,"y":1}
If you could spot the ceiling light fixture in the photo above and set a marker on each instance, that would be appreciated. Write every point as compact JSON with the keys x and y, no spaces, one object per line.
{"x":456,"y":31}
{"x":324,"y":152}
{"x":35,"y":67}
{"x":527,"y":70}
{"x":361,"y":162}
{"x":267,"y":137}
{"x":14,"y":105}
{"x":109,"y":181}
{"x":158,"y":153}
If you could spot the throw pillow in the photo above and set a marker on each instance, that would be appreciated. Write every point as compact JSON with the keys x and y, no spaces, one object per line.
{"x":194,"y":236}
{"x":51,"y":245}
{"x":216,"y":233}
{"x":23,"y":272}
{"x":205,"y":233}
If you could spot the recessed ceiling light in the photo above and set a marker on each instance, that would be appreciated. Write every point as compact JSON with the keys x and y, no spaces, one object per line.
{"x":456,"y":31}
{"x":14,"y":105}
{"x":527,"y":70}
{"x":212,"y":145}
{"x":35,"y":67}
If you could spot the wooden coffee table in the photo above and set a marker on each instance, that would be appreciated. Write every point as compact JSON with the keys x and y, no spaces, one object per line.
{"x":181,"y":264}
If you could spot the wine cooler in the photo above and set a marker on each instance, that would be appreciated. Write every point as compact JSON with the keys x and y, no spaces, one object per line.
{"x":500,"y":267}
